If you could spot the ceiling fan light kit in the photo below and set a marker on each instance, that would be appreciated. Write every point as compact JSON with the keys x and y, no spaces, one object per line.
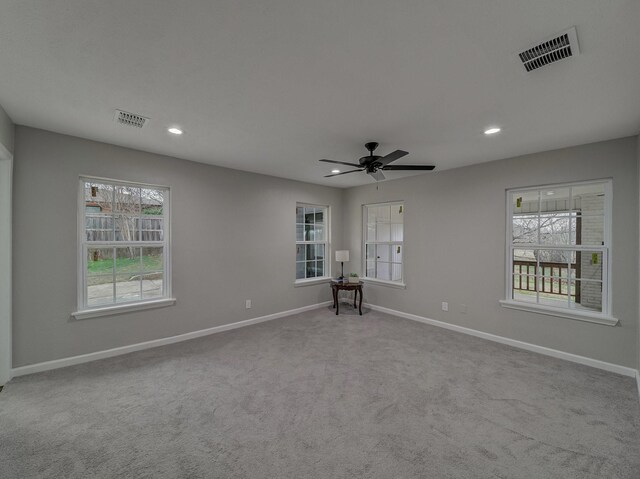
{"x":374,"y":165}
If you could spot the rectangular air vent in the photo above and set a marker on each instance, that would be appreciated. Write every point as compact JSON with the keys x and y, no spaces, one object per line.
{"x":130,"y":119}
{"x":559,"y":47}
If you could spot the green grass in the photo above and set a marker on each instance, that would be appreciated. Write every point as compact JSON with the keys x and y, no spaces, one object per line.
{"x":125,"y":265}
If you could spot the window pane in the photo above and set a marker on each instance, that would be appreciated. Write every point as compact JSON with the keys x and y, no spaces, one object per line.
{"x":371,"y":232}
{"x":371,"y":269}
{"x":383,"y":271}
{"x":309,"y":233}
{"x":371,"y":214}
{"x":524,"y":256}
{"x":300,"y":269}
{"x":525,"y":229}
{"x":316,"y":233}
{"x":396,"y":253}
{"x":590,"y":229}
{"x":311,"y":269}
{"x":554,"y":287}
{"x":98,"y":227}
{"x":300,"y":252}
{"x":127,"y":287}
{"x":396,"y":272}
{"x":524,"y":202}
{"x":319,"y":268}
{"x":99,"y":276}
{"x":309,"y":215}
{"x":126,"y":228}
{"x":127,"y":199}
{"x":152,"y":285}
{"x":128,"y":261}
{"x":152,"y":229}
{"x":590,"y":265}
{"x":396,"y":232}
{"x":319,"y":215}
{"x":99,"y":261}
{"x":152,"y":259}
{"x":588,"y":295}
{"x":299,"y":232}
{"x":550,"y":256}
{"x":98,"y":197}
{"x":99,"y":290}
{"x":299,"y":214}
{"x":383,"y":252}
{"x":152,"y":201}
{"x":396,"y":213}
{"x":371,"y":251}
{"x":383,"y":214}
{"x":589,"y":198}
{"x":526,"y":290}
{"x":555,"y":229}
{"x":554,"y":199}
{"x":311,"y":252}
{"x":383,"y":232}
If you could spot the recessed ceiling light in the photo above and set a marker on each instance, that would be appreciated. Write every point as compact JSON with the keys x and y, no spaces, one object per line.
{"x":175,"y":131}
{"x":492,"y":131}
{"x":551,"y":193}
{"x":335,"y":171}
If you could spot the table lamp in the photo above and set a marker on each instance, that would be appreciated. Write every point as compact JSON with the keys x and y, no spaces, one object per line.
{"x":342,"y":256}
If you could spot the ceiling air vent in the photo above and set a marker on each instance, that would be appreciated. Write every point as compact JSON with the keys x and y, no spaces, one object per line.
{"x":559,"y":47}
{"x":130,"y":119}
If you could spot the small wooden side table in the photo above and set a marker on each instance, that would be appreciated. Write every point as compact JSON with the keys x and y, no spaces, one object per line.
{"x":337,"y":285}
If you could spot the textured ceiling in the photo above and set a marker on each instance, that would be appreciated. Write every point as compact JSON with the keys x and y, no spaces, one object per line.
{"x":273,"y":86}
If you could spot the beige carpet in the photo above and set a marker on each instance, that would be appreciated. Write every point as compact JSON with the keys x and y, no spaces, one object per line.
{"x":323,"y":396}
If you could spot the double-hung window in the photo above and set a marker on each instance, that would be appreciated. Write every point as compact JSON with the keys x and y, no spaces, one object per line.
{"x":312,"y":244}
{"x":123,"y":244}
{"x":559,"y":250}
{"x":384,"y":242}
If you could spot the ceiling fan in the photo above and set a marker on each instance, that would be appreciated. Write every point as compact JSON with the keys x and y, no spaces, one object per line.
{"x":375,"y":164}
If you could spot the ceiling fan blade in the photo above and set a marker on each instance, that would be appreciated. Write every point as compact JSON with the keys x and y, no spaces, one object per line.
{"x":409,"y":167}
{"x":377,"y":175}
{"x":343,"y":173}
{"x":393,"y":156}
{"x":341,"y":163}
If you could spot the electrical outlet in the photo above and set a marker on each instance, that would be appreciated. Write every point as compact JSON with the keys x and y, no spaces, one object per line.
{"x":248,"y":304}
{"x":445,"y":306}
{"x":463,"y":308}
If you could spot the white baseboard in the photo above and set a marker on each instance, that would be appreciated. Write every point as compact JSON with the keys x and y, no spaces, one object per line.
{"x":638,"y":382}
{"x":595,"y":363}
{"x":108,"y":353}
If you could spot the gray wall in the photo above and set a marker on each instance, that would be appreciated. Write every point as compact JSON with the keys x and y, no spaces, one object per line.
{"x":6,"y":130}
{"x":233,"y":239}
{"x":455,"y":246}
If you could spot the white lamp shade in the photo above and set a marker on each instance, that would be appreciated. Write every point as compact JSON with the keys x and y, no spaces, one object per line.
{"x":342,"y":256}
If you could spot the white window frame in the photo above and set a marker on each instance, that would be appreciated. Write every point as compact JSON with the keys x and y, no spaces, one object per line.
{"x":84,"y":310}
{"x":326,"y":243}
{"x":605,"y":317}
{"x":365,"y":215}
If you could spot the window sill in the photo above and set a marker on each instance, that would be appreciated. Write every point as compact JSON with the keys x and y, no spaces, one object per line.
{"x":561,"y":313}
{"x":382,"y":282}
{"x":123,"y":308}
{"x":310,"y":282}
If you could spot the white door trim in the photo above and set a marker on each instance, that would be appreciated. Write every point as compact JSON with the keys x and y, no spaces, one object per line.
{"x":6,"y":181}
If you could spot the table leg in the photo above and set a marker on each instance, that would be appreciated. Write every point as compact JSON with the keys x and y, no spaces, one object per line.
{"x":355,"y":296}
{"x":337,"y":302}
{"x":335,"y":294}
{"x":360,"y":305}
